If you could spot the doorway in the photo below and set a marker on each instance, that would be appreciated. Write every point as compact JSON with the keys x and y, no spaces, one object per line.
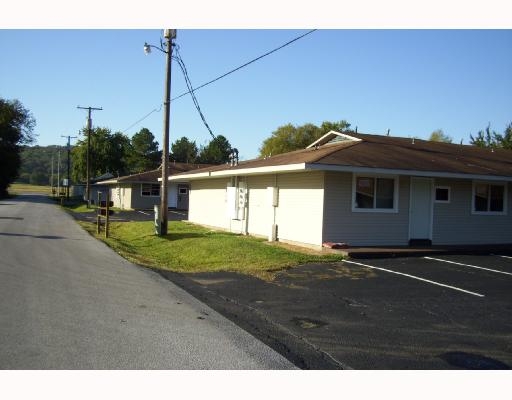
{"x":420,"y":212}
{"x":183,"y":191}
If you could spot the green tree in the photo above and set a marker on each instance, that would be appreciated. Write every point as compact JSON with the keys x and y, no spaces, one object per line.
{"x":16,"y":129}
{"x":505,"y":141}
{"x":183,"y":150}
{"x":215,"y":152}
{"x":144,"y":154}
{"x":439,"y":136}
{"x":289,"y":137}
{"x":488,"y":138}
{"x":108,"y":154}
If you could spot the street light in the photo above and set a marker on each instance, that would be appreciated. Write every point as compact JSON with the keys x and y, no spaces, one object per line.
{"x":169,"y":34}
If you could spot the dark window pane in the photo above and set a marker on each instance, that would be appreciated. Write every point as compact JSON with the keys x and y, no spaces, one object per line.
{"x":442,"y":194}
{"x":364,"y":192}
{"x":497,"y":196}
{"x":385,"y":193}
{"x":481,"y":196}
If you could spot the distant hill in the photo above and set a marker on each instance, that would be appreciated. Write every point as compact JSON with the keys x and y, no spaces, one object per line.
{"x":36,"y":164}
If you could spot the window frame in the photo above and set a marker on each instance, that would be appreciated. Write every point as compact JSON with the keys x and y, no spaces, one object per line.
{"x":448,"y":188}
{"x":393,"y":210}
{"x":152,"y":185}
{"x":489,"y":183}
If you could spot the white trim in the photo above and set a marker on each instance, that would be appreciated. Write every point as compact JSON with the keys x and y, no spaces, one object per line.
{"x":151,"y":195}
{"x":406,"y":172}
{"x":489,"y":213}
{"x":242,"y":171}
{"x":431,"y":228}
{"x":393,"y":210}
{"x":469,"y":265}
{"x":332,"y":134}
{"x":415,"y":277}
{"x":449,"y":194}
{"x":336,"y":168}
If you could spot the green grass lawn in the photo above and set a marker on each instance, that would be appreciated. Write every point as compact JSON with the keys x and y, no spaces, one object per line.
{"x":191,"y":248}
{"x":20,"y":188}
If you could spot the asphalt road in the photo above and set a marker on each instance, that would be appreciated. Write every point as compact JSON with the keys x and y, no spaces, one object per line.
{"x":68,"y":302}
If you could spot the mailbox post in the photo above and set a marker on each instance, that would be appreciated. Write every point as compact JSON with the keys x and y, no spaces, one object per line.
{"x":104,"y":211}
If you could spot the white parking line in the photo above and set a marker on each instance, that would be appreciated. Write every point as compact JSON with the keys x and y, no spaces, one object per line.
{"x":468,"y":265}
{"x":416,"y":277}
{"x":145,"y":213}
{"x":506,"y":257}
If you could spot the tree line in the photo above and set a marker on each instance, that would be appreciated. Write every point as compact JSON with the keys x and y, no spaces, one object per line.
{"x":120,"y":155}
{"x":115,"y":153}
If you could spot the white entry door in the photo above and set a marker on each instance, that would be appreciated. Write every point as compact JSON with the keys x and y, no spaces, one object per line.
{"x":420,"y":212}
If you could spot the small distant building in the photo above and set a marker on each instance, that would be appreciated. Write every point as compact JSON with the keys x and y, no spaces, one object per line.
{"x":79,"y":189}
{"x":142,"y":191}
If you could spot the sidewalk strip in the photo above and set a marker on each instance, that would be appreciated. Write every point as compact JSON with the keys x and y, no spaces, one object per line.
{"x":415,"y":277}
{"x":468,"y":265}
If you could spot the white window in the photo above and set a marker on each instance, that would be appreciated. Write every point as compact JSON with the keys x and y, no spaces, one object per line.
{"x":150,"y":190}
{"x":375,"y":193}
{"x":442,"y":194}
{"x":489,"y":198}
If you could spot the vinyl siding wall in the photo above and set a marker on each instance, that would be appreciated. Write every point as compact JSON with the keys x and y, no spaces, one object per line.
{"x":455,"y":224}
{"x":341,"y":224}
{"x":298,"y":215}
{"x":260,"y":212}
{"x":207,"y":203}
{"x":129,"y":197}
{"x":121,"y":195}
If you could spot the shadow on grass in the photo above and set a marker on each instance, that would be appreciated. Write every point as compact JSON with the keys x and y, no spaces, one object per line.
{"x":172,"y":237}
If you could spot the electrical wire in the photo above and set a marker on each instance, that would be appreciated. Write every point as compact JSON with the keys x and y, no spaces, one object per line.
{"x":191,"y":90}
{"x":181,"y":63}
{"x":143,"y":118}
{"x":245,"y":65}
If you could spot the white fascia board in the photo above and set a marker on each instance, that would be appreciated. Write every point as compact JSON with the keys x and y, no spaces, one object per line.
{"x":241,"y":171}
{"x":260,"y":170}
{"x":107,"y":182}
{"x":187,"y":177}
{"x":406,"y":172}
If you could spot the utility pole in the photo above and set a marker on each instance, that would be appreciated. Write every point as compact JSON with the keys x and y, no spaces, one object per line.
{"x":169,"y":34}
{"x":51,"y":184}
{"x":69,"y":150}
{"x":89,"y":128}
{"x":58,"y":174}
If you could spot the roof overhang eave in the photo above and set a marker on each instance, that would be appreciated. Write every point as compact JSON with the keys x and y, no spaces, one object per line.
{"x":406,"y":172}
{"x":241,"y":171}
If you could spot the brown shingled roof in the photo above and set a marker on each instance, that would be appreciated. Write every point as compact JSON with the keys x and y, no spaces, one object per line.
{"x":152,"y":176}
{"x":421,"y":155}
{"x":390,"y":153}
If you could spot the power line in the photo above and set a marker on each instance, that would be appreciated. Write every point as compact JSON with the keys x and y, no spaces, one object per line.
{"x":192,"y":90}
{"x":143,"y":118}
{"x":181,"y":63}
{"x":245,"y":65}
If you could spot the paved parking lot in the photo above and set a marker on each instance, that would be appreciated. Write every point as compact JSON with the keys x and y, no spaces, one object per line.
{"x":439,"y":312}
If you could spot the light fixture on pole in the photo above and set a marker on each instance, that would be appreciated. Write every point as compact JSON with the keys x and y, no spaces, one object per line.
{"x":169,"y":35}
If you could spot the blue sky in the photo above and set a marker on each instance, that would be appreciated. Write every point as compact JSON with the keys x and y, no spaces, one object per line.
{"x":409,"y":81}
